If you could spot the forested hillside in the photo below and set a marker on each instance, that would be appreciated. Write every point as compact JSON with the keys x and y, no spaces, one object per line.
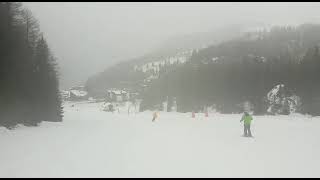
{"x":124,"y":75}
{"x":29,"y":90}
{"x":246,"y":69}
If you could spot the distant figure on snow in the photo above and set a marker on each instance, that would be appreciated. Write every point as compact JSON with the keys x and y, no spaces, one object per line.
{"x":118,"y":109}
{"x":110,"y":106}
{"x":155,"y":116}
{"x":247,"y":122}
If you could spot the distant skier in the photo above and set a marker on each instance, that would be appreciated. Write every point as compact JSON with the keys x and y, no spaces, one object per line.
{"x":247,"y":122}
{"x":155,"y":116}
{"x":118,"y":109}
{"x":206,"y":111}
{"x":129,"y":107}
{"x":193,"y":114}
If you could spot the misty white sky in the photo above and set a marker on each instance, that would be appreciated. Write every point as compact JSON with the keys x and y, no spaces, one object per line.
{"x":88,"y":37}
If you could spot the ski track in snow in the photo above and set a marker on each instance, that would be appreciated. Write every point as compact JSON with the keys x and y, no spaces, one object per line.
{"x":94,"y":143}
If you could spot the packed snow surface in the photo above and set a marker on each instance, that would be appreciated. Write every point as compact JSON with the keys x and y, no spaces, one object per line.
{"x":93,"y":143}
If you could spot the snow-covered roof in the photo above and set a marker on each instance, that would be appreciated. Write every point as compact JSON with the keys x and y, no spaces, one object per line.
{"x":64,"y":92}
{"x":215,"y":58}
{"x":117,"y":92}
{"x":77,"y":88}
{"x":79,"y":93}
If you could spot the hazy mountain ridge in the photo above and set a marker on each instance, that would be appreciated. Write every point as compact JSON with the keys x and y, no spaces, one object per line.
{"x":125,"y":71}
{"x":173,"y":47}
{"x":245,"y":69}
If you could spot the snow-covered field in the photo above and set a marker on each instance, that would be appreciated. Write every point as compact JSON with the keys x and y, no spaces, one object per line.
{"x":94,"y":143}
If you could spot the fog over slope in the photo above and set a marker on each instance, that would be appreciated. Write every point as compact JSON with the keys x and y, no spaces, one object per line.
{"x":95,"y":36}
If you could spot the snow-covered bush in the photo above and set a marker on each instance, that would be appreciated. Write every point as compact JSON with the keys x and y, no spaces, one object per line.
{"x":282,"y":100}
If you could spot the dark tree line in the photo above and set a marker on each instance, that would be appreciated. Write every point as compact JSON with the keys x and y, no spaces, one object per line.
{"x":29,"y":90}
{"x":121,"y":75}
{"x":246,"y":69}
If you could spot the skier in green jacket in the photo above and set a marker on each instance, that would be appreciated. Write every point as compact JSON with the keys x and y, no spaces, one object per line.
{"x":247,"y":122}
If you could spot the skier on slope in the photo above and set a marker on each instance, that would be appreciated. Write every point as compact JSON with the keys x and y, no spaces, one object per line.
{"x":155,"y":116}
{"x":118,"y":108}
{"x":247,"y":122}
